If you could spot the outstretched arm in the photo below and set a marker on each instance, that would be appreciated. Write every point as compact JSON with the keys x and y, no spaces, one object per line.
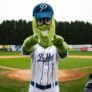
{"x":61,"y":45}
{"x":29,"y":43}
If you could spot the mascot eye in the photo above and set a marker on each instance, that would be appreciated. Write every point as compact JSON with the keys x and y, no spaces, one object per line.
{"x":40,"y":22}
{"x":48,"y":21}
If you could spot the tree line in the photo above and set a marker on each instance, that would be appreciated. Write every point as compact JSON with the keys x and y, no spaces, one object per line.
{"x":14,"y":32}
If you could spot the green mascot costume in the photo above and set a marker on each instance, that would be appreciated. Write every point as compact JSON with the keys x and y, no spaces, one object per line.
{"x":45,"y":48}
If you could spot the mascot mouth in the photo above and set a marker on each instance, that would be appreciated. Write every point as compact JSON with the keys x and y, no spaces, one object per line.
{"x":44,"y":33}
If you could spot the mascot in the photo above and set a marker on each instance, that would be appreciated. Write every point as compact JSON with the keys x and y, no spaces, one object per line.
{"x":45,"y":48}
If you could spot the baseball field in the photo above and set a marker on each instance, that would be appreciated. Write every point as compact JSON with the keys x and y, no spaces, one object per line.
{"x":73,"y":71}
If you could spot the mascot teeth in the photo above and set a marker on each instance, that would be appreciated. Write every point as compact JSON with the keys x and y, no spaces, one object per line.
{"x":44,"y":33}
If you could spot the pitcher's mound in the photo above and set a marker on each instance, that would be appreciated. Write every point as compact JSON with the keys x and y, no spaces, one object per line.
{"x":63,"y":75}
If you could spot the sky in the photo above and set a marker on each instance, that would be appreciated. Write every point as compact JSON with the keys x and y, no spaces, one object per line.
{"x":64,"y":10}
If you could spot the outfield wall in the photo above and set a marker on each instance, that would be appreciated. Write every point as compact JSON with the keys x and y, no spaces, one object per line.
{"x":85,"y":47}
{"x":10,"y":48}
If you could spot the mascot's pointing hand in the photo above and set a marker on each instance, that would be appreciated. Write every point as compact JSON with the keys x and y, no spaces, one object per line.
{"x":30,"y":41}
{"x":61,"y":45}
{"x":34,"y":39}
{"x":57,"y":40}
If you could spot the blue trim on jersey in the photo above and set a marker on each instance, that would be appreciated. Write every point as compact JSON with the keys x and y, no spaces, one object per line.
{"x":43,"y":87}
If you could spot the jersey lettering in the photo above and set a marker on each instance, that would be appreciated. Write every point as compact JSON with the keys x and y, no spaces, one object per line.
{"x":43,"y":58}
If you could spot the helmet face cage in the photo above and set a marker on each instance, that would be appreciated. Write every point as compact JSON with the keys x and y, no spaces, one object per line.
{"x":42,"y":21}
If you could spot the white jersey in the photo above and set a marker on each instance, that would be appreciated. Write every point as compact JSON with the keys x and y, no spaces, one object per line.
{"x":44,"y":65}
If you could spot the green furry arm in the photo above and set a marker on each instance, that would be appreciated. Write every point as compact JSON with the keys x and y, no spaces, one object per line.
{"x":29,"y":43}
{"x":61,"y":45}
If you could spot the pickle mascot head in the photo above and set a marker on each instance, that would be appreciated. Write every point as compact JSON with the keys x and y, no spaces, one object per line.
{"x":43,"y":23}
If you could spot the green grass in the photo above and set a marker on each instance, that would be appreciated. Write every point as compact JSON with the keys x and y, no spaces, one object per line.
{"x":10,"y":85}
{"x":76,"y":85}
{"x":70,"y":53}
{"x":21,"y":63}
{"x":81,"y":53}
{"x":69,"y":63}
{"x":24,"y":63}
{"x":9,"y":53}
